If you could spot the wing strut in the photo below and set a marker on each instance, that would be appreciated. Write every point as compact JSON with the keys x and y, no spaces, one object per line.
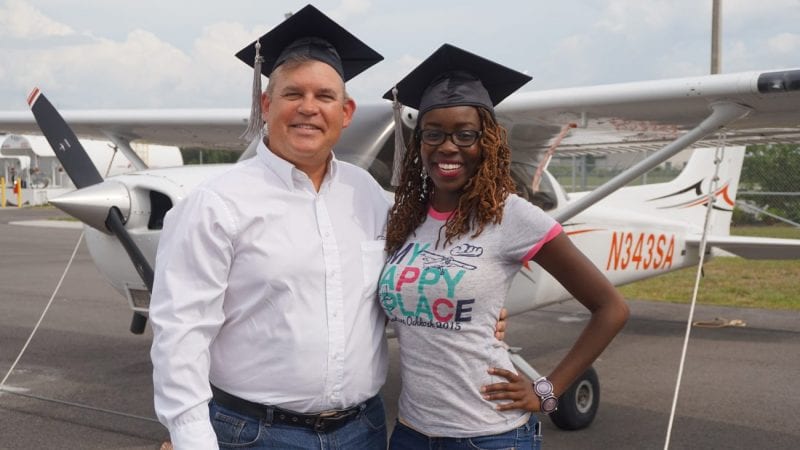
{"x":722,"y":113}
{"x":125,"y":147}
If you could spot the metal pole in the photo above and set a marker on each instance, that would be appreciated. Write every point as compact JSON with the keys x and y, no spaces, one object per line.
{"x":574,"y":174}
{"x":716,"y":22}
{"x":583,"y":173}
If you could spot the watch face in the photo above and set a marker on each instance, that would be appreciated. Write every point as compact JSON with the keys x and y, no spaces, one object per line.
{"x":543,"y":387}
{"x":549,"y":405}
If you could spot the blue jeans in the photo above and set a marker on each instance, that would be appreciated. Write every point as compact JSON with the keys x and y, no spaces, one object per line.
{"x":366,"y":431}
{"x":526,"y":437}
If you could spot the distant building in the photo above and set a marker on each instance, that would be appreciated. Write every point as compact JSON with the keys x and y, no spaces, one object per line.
{"x":32,"y":160}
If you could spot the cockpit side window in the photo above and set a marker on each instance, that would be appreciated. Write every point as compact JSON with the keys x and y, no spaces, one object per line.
{"x":544,"y":197}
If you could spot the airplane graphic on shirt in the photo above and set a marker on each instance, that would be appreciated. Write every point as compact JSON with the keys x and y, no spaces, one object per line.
{"x":436,"y":261}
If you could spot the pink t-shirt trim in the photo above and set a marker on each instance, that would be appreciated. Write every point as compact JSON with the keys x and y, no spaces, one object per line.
{"x":554,"y":231}
{"x":443,"y":216}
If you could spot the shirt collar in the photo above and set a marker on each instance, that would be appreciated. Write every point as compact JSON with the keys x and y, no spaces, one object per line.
{"x":286,"y":171}
{"x":439,"y":215}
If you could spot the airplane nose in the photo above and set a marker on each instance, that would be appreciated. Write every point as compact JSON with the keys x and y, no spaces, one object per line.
{"x":91,"y":204}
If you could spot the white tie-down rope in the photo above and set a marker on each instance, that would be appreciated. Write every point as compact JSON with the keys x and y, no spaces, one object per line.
{"x":718,"y":154}
{"x":46,"y":308}
{"x":30,"y":338}
{"x":80,"y":405}
{"x":36,"y":328}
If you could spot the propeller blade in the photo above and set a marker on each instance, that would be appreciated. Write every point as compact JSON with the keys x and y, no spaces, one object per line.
{"x":116,"y":225}
{"x":83,"y":173}
{"x":65,"y":144}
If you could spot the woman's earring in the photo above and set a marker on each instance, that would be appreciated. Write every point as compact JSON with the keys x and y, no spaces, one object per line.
{"x":424,"y":176}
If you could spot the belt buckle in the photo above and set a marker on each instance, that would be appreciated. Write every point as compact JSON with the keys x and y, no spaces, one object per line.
{"x":320,"y":423}
{"x":325,"y":418}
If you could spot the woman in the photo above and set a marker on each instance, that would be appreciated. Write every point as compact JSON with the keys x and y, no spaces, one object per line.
{"x":456,"y":237}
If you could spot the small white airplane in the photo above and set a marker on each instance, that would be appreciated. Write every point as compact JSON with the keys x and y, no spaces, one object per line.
{"x":630,"y":233}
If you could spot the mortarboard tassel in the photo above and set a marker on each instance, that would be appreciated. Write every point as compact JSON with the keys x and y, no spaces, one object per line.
{"x":399,"y":142}
{"x":256,"y":123}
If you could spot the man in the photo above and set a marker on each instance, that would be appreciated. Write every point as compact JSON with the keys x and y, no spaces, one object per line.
{"x":266,"y":328}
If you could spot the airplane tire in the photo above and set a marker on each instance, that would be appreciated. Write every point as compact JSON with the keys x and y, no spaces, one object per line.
{"x":138,"y":323}
{"x":577,"y":406}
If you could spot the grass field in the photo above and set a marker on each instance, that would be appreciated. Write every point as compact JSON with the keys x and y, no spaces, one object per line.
{"x":730,"y":281}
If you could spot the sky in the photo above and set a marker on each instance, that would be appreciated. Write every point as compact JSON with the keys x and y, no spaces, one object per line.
{"x":90,"y":54}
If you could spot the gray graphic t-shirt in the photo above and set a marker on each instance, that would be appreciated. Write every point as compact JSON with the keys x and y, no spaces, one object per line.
{"x":443,"y":303}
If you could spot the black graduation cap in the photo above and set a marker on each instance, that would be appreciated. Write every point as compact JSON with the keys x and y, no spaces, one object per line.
{"x":307,"y":32}
{"x":312,"y":33}
{"x":455,"y":77}
{"x":450,"y":77}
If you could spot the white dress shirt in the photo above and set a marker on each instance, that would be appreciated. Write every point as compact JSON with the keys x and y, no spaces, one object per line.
{"x":266,"y":288}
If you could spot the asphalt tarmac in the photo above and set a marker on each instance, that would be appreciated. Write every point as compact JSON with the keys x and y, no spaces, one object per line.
{"x":84,"y":381}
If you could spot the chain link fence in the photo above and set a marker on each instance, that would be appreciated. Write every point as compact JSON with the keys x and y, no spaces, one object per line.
{"x":769,"y":189}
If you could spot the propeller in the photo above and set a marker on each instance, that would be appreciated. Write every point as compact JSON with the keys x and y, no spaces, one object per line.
{"x":83,"y":173}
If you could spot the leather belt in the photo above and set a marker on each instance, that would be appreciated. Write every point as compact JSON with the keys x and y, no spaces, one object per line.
{"x":321,"y":422}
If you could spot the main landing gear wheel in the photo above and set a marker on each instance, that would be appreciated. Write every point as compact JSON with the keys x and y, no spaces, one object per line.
{"x":577,"y":406}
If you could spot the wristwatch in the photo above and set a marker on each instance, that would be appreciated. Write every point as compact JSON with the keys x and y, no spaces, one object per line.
{"x":548,"y":402}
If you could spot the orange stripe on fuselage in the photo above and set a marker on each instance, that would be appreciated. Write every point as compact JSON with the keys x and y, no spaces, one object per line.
{"x":588,"y":230}
{"x":569,"y":233}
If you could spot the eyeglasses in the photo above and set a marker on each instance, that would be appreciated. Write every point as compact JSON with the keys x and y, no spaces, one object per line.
{"x":462,"y":138}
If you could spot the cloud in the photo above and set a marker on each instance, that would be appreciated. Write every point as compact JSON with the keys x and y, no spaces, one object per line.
{"x":351,"y":7}
{"x":370,"y":85}
{"x":771,"y":52}
{"x":635,"y":16}
{"x":20,"y":20}
{"x":138,"y":70}
{"x":784,"y":43}
{"x":750,"y":8}
{"x":90,"y":55}
{"x":101,"y":72}
{"x":573,"y":45}
{"x":214,"y":71}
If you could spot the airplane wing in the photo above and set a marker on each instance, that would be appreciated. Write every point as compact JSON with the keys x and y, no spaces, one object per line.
{"x":608,"y":118}
{"x":752,"y":247}
{"x":203,"y":128}
{"x":643,"y":115}
{"x":210,"y":128}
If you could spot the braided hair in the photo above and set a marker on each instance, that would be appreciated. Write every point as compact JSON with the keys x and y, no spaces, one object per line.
{"x":481,"y":201}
